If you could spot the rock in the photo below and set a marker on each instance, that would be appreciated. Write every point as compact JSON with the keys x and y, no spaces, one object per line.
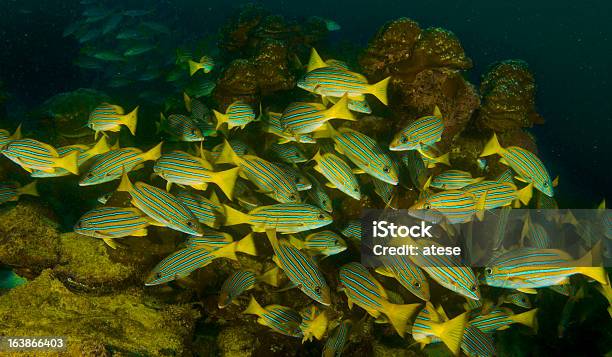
{"x":95,"y":325}
{"x":237,"y":341}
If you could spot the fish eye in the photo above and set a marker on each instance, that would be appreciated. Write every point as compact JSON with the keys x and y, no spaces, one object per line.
{"x":324,"y":202}
{"x":194,"y":132}
{"x":417,"y":285}
{"x":321,"y":216}
{"x":297,"y":180}
{"x":473,"y":288}
{"x":158,"y":275}
{"x":356,"y":189}
{"x":108,"y":174}
{"x":292,"y":197}
{"x":403,"y":140}
{"x":427,"y":206}
{"x":317,"y":290}
{"x":189,"y":224}
{"x":386,"y":169}
{"x":336,"y":242}
{"x":489,"y":271}
{"x":90,"y":175}
{"x":545,"y":184}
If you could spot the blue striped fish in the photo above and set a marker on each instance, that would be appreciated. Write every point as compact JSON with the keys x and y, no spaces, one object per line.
{"x":352,"y":230}
{"x":476,"y":343}
{"x":502,"y":318}
{"x":210,"y":240}
{"x":416,"y":169}
{"x":245,"y":196}
{"x":111,"y":165}
{"x":432,"y":156}
{"x":181,"y":168}
{"x":336,"y":82}
{"x":499,"y":194}
{"x":362,"y":289}
{"x":237,"y":283}
{"x":335,"y":344}
{"x":110,"y":117}
{"x":206,"y":64}
{"x":237,"y":114}
{"x":269,"y":178}
{"x":239,"y":147}
{"x":385,"y":191}
{"x":529,"y":268}
{"x":432,"y":326}
{"x":455,"y":206}
{"x":109,"y":223}
{"x":180,"y":127}
{"x":283,"y":217}
{"x":526,"y":164}
{"x":314,"y":323}
{"x":32,"y":155}
{"x":454,"y":180}
{"x":424,"y":131}
{"x":318,"y":196}
{"x":535,"y":234}
{"x":302,"y":117}
{"x":272,"y":124}
{"x":446,"y":270}
{"x":289,"y":153}
{"x":359,"y":106}
{"x":338,"y":173}
{"x":301,"y":181}
{"x":6,"y":137}
{"x":162,"y":206}
{"x":183,"y":262}
{"x":300,"y":268}
{"x":517,"y":298}
{"x":10,"y":191}
{"x":279,"y":318}
{"x":207,"y":211}
{"x":315,"y":62}
{"x":365,"y":153}
{"x":408,"y":274}
{"x":85,"y":154}
{"x":324,"y":243}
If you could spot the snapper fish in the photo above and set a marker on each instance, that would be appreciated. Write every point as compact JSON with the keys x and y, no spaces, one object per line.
{"x":302,"y":118}
{"x":112,"y":164}
{"x":161,"y":206}
{"x":502,"y":318}
{"x":288,"y":153}
{"x":281,"y":319}
{"x":476,"y":343}
{"x":324,"y":243}
{"x":432,"y":325}
{"x":363,"y":290}
{"x":417,"y":169}
{"x":425,"y":131}
{"x":241,"y":281}
{"x":454,"y":180}
{"x":516,"y":298}
{"x":339,"y":174}
{"x":110,"y":117}
{"x":208,"y":211}
{"x":526,"y":164}
{"x":335,"y":344}
{"x":33,"y":155}
{"x":301,"y":181}
{"x":109,"y":223}
{"x":85,"y":153}
{"x":455,"y":206}
{"x":300,"y":268}
{"x":272,"y":125}
{"x":211,"y":240}
{"x":408,"y":274}
{"x":10,"y":191}
{"x":499,"y":194}
{"x":283,"y":217}
{"x":314,"y":323}
{"x":206,"y":64}
{"x":237,"y":114}
{"x":6,"y":137}
{"x":182,"y":127}
{"x":317,"y":194}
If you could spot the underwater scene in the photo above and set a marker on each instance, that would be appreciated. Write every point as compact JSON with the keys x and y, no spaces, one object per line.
{"x":280,"y":178}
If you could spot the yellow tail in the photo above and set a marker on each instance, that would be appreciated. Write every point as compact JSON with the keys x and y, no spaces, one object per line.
{"x":234,"y":217}
{"x":315,"y":61}
{"x":299,"y":244}
{"x":528,"y":318}
{"x":319,"y":326}
{"x":226,"y":181}
{"x":451,"y":332}
{"x":254,"y":308}
{"x":227,"y":156}
{"x":247,"y":245}
{"x":29,"y":189}
{"x":524,"y":194}
{"x":399,"y":315}
{"x":194,"y":67}
{"x":443,"y":159}
{"x":125,"y":185}
{"x":492,"y":147}
{"x":221,"y":118}
{"x":130,"y":120}
{"x":17,"y":134}
{"x":100,"y":147}
{"x":271,"y":277}
{"x":590,"y":265}
{"x":69,"y":162}
{"x":379,"y":90}
{"x":154,"y":153}
{"x":340,"y":110}
{"x":187,"y":101}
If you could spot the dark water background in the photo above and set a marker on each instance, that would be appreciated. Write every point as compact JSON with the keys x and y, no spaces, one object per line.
{"x":566,"y":43}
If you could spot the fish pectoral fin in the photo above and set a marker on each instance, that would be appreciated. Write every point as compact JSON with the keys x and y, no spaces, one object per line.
{"x":168,"y":186}
{"x":140,"y":233}
{"x":110,"y":242}
{"x":358,"y":171}
{"x":528,"y":290}
{"x":518,"y":178}
{"x":330,"y":185}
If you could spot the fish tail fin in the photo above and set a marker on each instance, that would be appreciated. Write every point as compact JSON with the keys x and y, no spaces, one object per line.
{"x":234,"y":217}
{"x":130,"y":120}
{"x":271,"y":233}
{"x":187,"y":101}
{"x":315,"y":61}
{"x":228,"y":251}
{"x":159,"y":125}
{"x":29,"y":189}
{"x":247,"y":245}
{"x":436,"y":112}
{"x":451,"y":332}
{"x":528,"y":318}
{"x":379,"y":90}
{"x":340,"y":110}
{"x":194,"y":67}
{"x":590,"y":265}
{"x":443,"y":159}
{"x":319,"y":326}
{"x":555,"y":182}
{"x":69,"y":162}
{"x":427,"y":183}
{"x":221,"y":118}
{"x":271,"y":277}
{"x":101,"y":147}
{"x":525,"y":193}
{"x":254,"y":308}
{"x":17,"y":134}
{"x":399,"y":315}
{"x":492,"y":147}
{"x":298,"y":243}
{"x":227,"y":155}
{"x":125,"y":185}
{"x":226,"y":181}
{"x":154,"y":153}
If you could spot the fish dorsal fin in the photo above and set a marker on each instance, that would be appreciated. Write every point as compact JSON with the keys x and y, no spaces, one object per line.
{"x":436,"y":112}
{"x":315,"y":61}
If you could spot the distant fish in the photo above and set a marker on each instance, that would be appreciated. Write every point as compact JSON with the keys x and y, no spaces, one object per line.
{"x":318,"y":196}
{"x":331,"y":25}
{"x":240,"y":281}
{"x":205,"y":64}
{"x":237,"y":114}
{"x":301,"y":180}
{"x":162,"y":206}
{"x":139,"y":49}
{"x":336,"y":342}
{"x":281,"y":319}
{"x":302,"y":118}
{"x":107,"y":56}
{"x":289,"y":153}
{"x":455,"y":206}
{"x":339,"y":174}
{"x":476,"y":343}
{"x":181,"y":127}
{"x":324,"y":243}
{"x":526,"y":164}
{"x":416,"y":169}
{"x":207,"y":211}
{"x":352,"y":230}
{"x":283,"y":217}
{"x":109,"y":117}
{"x":10,"y":191}
{"x":32,"y":155}
{"x":454,"y":180}
{"x":424,"y":131}
{"x":516,"y":298}
{"x":502,"y":318}
{"x":112,"y":23}
{"x":109,"y":223}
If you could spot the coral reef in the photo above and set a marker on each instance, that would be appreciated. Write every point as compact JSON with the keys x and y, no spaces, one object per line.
{"x":96,"y":325}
